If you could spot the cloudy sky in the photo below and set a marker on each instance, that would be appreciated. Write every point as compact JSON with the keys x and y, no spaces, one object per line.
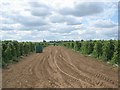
{"x":27,"y":20}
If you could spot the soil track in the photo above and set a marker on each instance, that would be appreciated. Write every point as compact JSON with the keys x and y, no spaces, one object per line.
{"x":59,"y":67}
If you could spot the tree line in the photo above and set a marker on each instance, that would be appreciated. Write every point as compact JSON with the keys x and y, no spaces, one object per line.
{"x":13,"y":50}
{"x":107,"y":50}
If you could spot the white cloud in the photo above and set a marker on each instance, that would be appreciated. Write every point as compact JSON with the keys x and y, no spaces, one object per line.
{"x":38,"y":9}
{"x":70,"y":20}
{"x":84,"y":9}
{"x":34,"y":20}
{"x":104,"y":24}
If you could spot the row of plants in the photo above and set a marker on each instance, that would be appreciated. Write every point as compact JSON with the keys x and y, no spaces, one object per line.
{"x":12,"y":51}
{"x":106,"y":50}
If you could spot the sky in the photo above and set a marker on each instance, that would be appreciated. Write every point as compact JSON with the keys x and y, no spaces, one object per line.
{"x":35,"y":20}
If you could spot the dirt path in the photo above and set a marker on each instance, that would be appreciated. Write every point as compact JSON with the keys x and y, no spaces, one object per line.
{"x":58,"y":67}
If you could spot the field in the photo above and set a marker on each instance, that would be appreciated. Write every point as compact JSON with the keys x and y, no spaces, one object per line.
{"x":60,"y":44}
{"x":59,"y":67}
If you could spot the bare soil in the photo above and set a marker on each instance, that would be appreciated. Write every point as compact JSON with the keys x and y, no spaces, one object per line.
{"x":59,"y":67}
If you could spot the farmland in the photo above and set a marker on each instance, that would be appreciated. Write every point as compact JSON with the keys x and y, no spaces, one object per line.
{"x":60,"y":44}
{"x":69,"y":64}
{"x":13,"y":50}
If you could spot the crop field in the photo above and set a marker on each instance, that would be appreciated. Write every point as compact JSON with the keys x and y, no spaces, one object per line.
{"x":60,"y":44}
{"x":62,"y":64}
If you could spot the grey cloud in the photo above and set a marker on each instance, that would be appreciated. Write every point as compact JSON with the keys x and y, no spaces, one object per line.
{"x":65,"y":19}
{"x":6,"y":28}
{"x":40,"y":12}
{"x":104,"y":24}
{"x":37,"y":4}
{"x":65,"y":26}
{"x":83,"y":9}
{"x":38,"y":28}
{"x":57,"y":19}
{"x":63,"y":29}
{"x":72,"y":22}
{"x":25,"y":22}
{"x":39,"y":9}
{"x":32,"y":21}
{"x":7,"y":21}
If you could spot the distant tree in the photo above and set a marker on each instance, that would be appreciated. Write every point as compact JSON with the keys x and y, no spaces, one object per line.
{"x":112,"y":47}
{"x":11,"y":50}
{"x":87,"y":47}
{"x":8,"y":53}
{"x":97,"y":52}
{"x":84,"y":47}
{"x":21,"y":48}
{"x":90,"y":47}
{"x":72,"y":45}
{"x":25,"y":48}
{"x":77,"y":45}
{"x":106,"y":51}
{"x":115,"y":59}
{"x":17,"y":48}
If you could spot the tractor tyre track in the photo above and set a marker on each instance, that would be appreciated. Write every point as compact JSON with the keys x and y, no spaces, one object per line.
{"x":59,"y":67}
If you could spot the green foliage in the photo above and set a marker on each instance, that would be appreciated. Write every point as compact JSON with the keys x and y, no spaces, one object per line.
{"x":77,"y":46}
{"x":72,"y":45}
{"x":107,"y":50}
{"x":115,"y":58}
{"x":84,"y":48}
{"x":12,"y":50}
{"x":87,"y":47}
{"x":97,"y":52}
